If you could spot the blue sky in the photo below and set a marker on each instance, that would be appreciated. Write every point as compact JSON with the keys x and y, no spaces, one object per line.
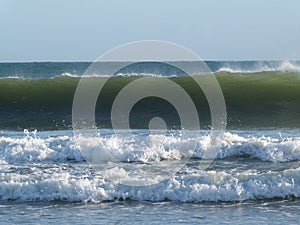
{"x":75,"y":30}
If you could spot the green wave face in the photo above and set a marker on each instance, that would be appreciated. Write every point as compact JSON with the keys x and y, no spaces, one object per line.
{"x":253,"y":100}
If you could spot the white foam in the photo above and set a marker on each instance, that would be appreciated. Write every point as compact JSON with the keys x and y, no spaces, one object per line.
{"x":229,"y":69}
{"x":287,"y":66}
{"x":117,"y":75}
{"x":34,"y":149}
{"x":30,"y":148}
{"x":204,"y":186}
{"x":30,"y":179}
{"x":263,"y":148}
{"x":283,"y":66}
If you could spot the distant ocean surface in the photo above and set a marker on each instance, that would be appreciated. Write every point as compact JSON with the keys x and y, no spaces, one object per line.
{"x":254,"y":177}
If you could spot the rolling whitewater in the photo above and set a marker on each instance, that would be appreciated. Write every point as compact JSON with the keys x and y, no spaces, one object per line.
{"x":257,"y":163}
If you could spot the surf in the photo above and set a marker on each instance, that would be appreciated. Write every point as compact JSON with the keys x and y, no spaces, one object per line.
{"x":253,"y":100}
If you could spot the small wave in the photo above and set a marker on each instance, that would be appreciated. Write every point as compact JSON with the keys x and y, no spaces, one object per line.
{"x":31,"y":148}
{"x":287,"y":66}
{"x":257,"y":67}
{"x":13,"y":77}
{"x":206,"y":186}
{"x":117,"y":75}
{"x":66,"y":74}
{"x":47,"y":70}
{"x":265,"y":148}
{"x":37,"y":166}
{"x":228,"y":69}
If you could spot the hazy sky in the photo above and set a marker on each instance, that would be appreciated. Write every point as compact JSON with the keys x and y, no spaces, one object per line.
{"x":74,"y":30}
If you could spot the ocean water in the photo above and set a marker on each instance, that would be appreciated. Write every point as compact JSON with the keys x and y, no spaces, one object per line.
{"x":253,"y":177}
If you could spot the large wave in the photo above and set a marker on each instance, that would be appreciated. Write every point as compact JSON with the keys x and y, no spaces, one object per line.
{"x":255,"y":100}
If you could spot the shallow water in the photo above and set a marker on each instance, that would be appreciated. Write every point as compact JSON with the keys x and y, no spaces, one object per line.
{"x":262,"y":212}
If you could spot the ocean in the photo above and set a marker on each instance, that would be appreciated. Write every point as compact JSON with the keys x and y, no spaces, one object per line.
{"x":253,"y":177}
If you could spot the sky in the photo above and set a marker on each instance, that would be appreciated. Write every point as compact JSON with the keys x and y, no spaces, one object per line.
{"x":81,"y":30}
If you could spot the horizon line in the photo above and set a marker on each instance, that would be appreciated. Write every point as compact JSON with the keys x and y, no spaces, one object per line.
{"x":91,"y":61}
